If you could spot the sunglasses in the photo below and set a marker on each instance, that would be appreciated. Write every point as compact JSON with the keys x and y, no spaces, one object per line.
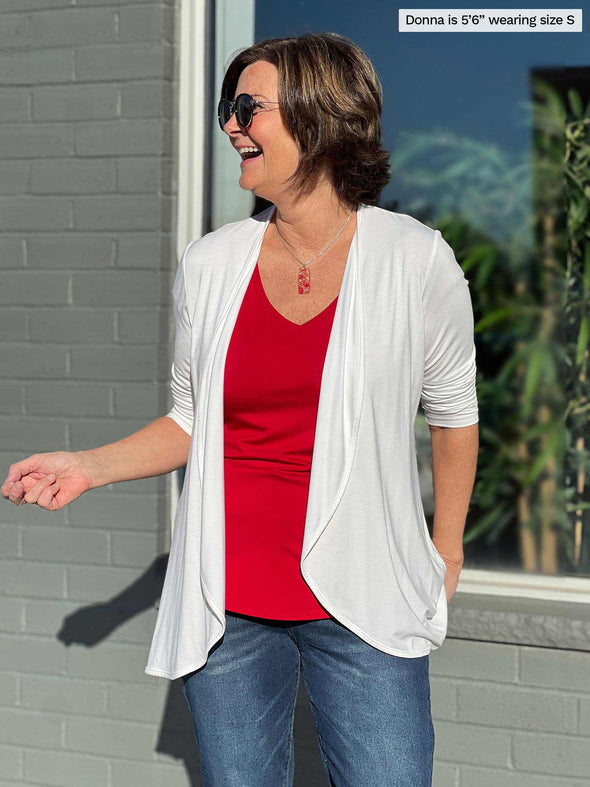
{"x":243,"y":106}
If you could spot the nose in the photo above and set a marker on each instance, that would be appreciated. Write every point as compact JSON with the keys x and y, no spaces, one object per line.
{"x":231,"y":125}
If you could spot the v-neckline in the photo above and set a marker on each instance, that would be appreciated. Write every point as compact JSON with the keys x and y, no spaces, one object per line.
{"x":262,"y":292}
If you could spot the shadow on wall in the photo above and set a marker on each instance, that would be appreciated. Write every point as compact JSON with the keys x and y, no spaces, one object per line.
{"x":92,"y":624}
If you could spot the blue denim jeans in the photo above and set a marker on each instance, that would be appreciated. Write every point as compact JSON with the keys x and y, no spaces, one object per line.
{"x":371,"y":709}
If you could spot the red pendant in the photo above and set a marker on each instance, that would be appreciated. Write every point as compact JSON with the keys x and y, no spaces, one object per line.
{"x":303,"y":281}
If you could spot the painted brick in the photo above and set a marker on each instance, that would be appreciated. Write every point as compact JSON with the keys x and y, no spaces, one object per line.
{"x":64,"y":769}
{"x":22,"y":140}
{"x":75,"y":102}
{"x":11,"y":253}
{"x":116,"y":662}
{"x":27,"y":435}
{"x":29,"y":288}
{"x":74,"y":325}
{"x":136,"y":630}
{"x":135,"y":701}
{"x":9,"y":540}
{"x":15,"y":104}
{"x":33,"y":213}
{"x":545,"y":754}
{"x":65,"y":545}
{"x":8,"y":690}
{"x":25,"y":361}
{"x":139,"y":250}
{"x":133,"y":212}
{"x":86,"y":111}
{"x":64,"y":176}
{"x":139,"y":174}
{"x":526,"y":709}
{"x":142,"y":400}
{"x":93,"y":583}
{"x":145,"y":23}
{"x":490,"y":777}
{"x":70,"y":250}
{"x":13,"y":325}
{"x":584,"y":721}
{"x":68,"y":399}
{"x":35,"y":68}
{"x":146,"y":99}
{"x":472,"y":743}
{"x":138,"y":326}
{"x":23,"y":653}
{"x":111,"y":737}
{"x":14,"y":177}
{"x":557,"y":669}
{"x":53,"y":28}
{"x":27,"y":579}
{"x":444,"y":774}
{"x":134,"y":363}
{"x":122,"y":137}
{"x":152,"y":775}
{"x":135,"y":550}
{"x":123,"y":61}
{"x":63,"y":695}
{"x":47,"y":616}
{"x":11,"y":612}
{"x":11,"y":399}
{"x":114,"y":288}
{"x":32,"y":5}
{"x":443,"y":698}
{"x":11,"y":765}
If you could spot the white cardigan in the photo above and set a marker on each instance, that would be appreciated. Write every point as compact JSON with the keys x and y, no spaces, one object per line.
{"x":402,"y":334}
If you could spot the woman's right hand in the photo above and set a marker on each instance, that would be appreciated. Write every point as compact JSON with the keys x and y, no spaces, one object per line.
{"x":50,"y":480}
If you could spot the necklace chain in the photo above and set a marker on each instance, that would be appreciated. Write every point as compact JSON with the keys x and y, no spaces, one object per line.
{"x":304,"y":279}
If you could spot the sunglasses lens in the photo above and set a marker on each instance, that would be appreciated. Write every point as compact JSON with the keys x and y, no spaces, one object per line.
{"x":223,"y":112}
{"x":243,"y":109}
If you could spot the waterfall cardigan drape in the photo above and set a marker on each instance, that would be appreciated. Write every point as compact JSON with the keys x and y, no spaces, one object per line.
{"x":402,"y":335}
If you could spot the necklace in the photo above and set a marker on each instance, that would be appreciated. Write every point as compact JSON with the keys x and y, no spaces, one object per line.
{"x":303,"y":277}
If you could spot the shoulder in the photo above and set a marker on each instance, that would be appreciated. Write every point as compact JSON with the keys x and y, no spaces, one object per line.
{"x":402,"y":231}
{"x":414,"y":244}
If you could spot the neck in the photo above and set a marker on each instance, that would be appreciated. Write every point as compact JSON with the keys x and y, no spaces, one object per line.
{"x":308,"y":224}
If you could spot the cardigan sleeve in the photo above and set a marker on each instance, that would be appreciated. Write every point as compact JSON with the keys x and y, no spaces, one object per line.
{"x":183,"y":404}
{"x":448,"y":396}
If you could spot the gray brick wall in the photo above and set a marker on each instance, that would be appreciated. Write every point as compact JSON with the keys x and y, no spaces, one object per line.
{"x":510,"y":715}
{"x":87,"y":255}
{"x":87,"y":252}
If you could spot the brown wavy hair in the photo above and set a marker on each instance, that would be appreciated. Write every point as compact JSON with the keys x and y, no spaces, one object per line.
{"x":330,"y":100}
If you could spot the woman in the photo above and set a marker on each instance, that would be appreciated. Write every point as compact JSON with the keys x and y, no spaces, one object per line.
{"x":305,"y":338}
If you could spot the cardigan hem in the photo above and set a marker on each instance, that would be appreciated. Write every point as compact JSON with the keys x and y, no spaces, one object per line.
{"x":369,"y":640}
{"x":198,"y":664}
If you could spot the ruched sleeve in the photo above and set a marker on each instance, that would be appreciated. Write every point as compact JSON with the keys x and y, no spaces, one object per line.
{"x":448,"y":395}
{"x":183,"y":402}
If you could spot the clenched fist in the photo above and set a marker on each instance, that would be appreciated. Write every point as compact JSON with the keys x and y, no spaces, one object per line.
{"x":50,"y":480}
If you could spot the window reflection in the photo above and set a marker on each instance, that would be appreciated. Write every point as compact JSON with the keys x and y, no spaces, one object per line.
{"x":477,"y":125}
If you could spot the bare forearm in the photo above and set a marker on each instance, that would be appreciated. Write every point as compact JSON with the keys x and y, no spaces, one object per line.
{"x":156,"y":449}
{"x":454,"y":465}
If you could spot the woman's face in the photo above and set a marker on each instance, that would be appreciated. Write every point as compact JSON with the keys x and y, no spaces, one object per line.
{"x":265,"y":174}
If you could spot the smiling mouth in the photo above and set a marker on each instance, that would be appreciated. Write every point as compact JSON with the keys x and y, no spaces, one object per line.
{"x":248,"y":159}
{"x":248,"y":156}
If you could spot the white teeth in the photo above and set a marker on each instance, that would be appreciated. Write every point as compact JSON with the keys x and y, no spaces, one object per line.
{"x":249,"y":150}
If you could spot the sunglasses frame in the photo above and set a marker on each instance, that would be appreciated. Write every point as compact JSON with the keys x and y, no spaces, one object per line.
{"x":233,"y":108}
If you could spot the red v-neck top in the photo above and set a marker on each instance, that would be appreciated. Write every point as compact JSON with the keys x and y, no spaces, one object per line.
{"x":272,"y":381}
